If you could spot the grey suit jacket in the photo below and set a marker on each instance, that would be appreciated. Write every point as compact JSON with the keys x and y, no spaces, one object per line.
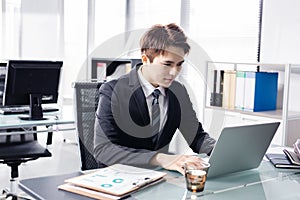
{"x":122,"y":126}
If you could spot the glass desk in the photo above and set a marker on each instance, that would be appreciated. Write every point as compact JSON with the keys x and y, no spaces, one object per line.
{"x":264,"y":182}
{"x":54,"y":122}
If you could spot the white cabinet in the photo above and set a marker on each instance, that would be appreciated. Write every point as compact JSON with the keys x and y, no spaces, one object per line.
{"x":215,"y":118}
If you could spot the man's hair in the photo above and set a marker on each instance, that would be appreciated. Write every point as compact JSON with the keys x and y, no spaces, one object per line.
{"x":155,"y":41}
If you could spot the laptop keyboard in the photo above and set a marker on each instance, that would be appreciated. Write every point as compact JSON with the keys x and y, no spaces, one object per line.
{"x":23,"y":110}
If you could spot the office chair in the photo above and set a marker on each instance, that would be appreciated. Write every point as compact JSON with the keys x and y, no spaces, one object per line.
{"x":86,"y":102}
{"x":17,"y":149}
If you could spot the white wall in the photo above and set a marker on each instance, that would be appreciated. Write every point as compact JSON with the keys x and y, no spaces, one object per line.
{"x":281,"y":44}
{"x":75,"y":41}
{"x":40,"y":30}
{"x":281,"y":39}
{"x":281,"y":30}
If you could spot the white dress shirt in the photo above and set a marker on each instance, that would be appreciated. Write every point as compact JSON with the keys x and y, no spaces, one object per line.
{"x":148,"y":88}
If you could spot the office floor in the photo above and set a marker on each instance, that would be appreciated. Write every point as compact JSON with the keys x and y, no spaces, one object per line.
{"x":65,"y":159}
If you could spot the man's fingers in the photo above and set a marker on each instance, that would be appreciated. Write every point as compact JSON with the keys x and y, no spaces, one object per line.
{"x":181,"y":170}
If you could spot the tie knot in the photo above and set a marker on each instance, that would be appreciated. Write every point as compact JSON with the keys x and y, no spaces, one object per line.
{"x":155,"y":95}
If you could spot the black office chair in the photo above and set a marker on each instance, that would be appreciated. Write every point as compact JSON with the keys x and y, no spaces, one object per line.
{"x":17,"y":149}
{"x":86,"y":102}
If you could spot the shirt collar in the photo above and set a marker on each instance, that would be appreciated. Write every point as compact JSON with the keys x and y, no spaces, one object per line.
{"x":148,"y":88}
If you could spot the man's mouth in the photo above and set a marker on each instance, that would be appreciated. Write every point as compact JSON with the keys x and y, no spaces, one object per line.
{"x":168,"y":79}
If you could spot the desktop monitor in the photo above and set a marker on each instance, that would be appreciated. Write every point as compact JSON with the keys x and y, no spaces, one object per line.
{"x":2,"y":79}
{"x":33,"y":83}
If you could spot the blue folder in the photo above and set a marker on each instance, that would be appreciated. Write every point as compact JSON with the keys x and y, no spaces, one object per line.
{"x":263,"y":89}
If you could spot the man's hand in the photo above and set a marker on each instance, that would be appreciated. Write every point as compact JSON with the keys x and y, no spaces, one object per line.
{"x":175,"y":162}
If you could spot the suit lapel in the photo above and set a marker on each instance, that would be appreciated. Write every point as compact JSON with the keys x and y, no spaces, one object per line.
{"x":173,"y":109}
{"x":138,"y":105}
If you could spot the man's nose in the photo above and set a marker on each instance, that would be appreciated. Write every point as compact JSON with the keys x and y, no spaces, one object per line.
{"x":173,"y":71}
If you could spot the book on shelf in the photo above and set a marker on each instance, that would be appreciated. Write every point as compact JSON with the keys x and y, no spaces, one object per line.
{"x":217,"y":93}
{"x":229,"y":86}
{"x":287,"y":159}
{"x":113,"y":182}
{"x":244,"y":90}
{"x":240,"y":90}
{"x":260,"y":91}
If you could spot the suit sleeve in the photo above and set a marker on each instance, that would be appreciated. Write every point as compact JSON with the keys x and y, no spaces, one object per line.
{"x":190,"y":127}
{"x":106,"y":148}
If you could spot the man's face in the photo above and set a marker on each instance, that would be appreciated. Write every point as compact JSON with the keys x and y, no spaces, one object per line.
{"x":164,"y":68}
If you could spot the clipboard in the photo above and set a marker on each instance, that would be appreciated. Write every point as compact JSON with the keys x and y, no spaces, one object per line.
{"x":116,"y":181}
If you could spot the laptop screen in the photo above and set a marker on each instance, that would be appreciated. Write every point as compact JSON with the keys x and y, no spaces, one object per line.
{"x":241,"y":148}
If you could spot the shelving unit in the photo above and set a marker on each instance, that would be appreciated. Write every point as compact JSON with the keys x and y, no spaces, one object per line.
{"x":112,"y":66}
{"x":284,"y":113}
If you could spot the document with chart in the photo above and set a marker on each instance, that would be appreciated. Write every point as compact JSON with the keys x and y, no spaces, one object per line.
{"x":116,"y":180}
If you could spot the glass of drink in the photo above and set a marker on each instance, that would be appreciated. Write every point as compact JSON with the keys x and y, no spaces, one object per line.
{"x":195,"y":176}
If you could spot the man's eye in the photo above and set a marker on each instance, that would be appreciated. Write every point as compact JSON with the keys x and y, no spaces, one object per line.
{"x":180,"y":64}
{"x":167,"y":64}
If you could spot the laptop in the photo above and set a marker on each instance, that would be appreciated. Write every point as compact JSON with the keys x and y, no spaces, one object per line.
{"x":240,"y":148}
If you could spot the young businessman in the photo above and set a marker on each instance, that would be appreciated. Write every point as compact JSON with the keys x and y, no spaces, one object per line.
{"x":139,"y":113}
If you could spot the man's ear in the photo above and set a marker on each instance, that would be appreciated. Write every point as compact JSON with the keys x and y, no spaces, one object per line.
{"x":145,"y":59}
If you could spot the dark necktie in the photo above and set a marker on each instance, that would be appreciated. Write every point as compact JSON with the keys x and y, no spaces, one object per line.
{"x":155,"y":112}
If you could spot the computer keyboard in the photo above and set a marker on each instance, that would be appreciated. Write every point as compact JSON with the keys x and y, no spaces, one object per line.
{"x":23,"y":110}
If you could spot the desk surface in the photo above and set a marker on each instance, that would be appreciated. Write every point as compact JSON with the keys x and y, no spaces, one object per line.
{"x":265,"y":182}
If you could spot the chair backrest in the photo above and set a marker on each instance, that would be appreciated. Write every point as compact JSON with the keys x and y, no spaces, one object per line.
{"x":86,"y":102}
